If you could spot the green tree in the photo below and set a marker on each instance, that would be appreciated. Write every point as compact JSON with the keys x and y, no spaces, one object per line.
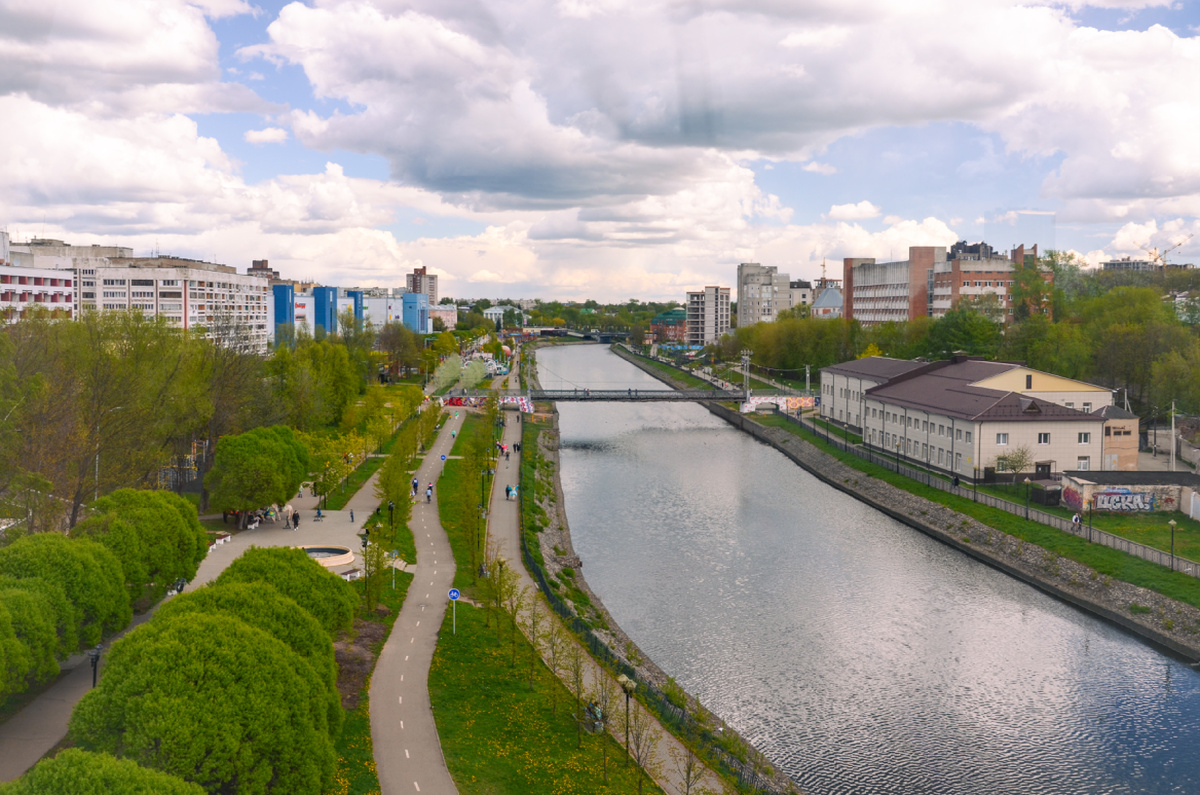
{"x":88,"y":573}
{"x":261,"y":467}
{"x":294,"y":574}
{"x":84,"y":773}
{"x":260,"y":605}
{"x":213,"y":700}
{"x":150,"y":534}
{"x":29,"y":634}
{"x":964,"y":330}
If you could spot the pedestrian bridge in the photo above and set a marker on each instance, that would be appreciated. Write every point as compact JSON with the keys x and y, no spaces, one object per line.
{"x":620,"y":395}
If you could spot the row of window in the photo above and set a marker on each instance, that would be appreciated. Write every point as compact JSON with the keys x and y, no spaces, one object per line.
{"x":1084,"y":437}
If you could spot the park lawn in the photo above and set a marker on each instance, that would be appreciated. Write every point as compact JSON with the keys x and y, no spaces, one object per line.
{"x":837,"y":431}
{"x":1107,"y":561}
{"x":501,"y":738}
{"x":675,"y":373}
{"x":355,"y":752}
{"x":458,"y":503}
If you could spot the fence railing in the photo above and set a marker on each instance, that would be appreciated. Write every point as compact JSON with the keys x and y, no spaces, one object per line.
{"x":1082,"y":530}
{"x":678,"y":720}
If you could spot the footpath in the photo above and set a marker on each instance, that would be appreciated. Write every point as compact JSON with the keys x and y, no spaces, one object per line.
{"x":408,"y":752}
{"x":504,"y":527}
{"x":27,"y":736}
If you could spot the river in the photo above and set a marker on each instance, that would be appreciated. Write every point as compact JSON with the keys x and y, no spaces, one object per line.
{"x":859,"y":655}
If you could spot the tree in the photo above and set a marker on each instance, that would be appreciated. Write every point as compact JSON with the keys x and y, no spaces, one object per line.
{"x":555,"y":642}
{"x":255,"y":469}
{"x":89,"y":575}
{"x":690,"y":769}
{"x":375,"y":564}
{"x":262,"y":606}
{"x":1016,"y":460}
{"x":605,"y":697}
{"x":213,"y":700}
{"x":150,"y":533}
{"x":576,"y":670}
{"x":533,"y":622}
{"x":964,"y":330}
{"x":30,"y":623}
{"x":294,"y":574}
{"x":643,"y":739}
{"x":83,"y":773}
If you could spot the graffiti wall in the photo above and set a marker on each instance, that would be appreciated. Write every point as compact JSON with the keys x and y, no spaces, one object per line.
{"x":1125,"y":500}
{"x":790,"y":403}
{"x":1122,"y":499}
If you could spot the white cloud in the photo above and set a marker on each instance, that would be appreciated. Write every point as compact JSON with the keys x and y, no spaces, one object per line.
{"x":268,"y":135}
{"x":820,"y":168}
{"x":853,"y":212}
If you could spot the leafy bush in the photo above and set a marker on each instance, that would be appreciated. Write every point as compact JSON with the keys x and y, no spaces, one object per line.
{"x":294,"y":574}
{"x":213,"y":700}
{"x":28,"y":637}
{"x":260,"y":605}
{"x":155,"y":535}
{"x":89,"y":574}
{"x":261,"y":467}
{"x":83,"y":773}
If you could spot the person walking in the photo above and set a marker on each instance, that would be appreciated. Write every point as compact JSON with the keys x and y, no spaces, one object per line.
{"x":296,"y":520}
{"x":415,"y":485}
{"x":429,"y":493}
{"x":1076,"y":522}
{"x":351,"y":514}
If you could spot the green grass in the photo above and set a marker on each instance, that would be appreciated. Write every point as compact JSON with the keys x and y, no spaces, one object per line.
{"x":355,"y":752}
{"x":674,"y":373}
{"x":458,"y":502}
{"x":837,"y":431}
{"x":1106,"y":561}
{"x":498,"y":736}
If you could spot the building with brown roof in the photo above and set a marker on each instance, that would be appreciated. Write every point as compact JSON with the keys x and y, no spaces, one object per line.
{"x":965,"y":415}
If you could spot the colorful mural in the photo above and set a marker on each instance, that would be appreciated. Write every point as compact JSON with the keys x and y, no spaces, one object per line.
{"x":1125,"y":500}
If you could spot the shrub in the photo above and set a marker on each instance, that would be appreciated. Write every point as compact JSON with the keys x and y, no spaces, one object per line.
{"x":261,"y":606}
{"x":89,"y":574}
{"x":28,"y":638}
{"x":213,"y":700}
{"x":83,"y":773}
{"x":294,"y":574}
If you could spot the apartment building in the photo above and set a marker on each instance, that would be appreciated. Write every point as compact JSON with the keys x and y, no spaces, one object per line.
{"x":762,"y":293}
{"x":670,"y":326}
{"x":707,"y":315}
{"x":22,"y":287}
{"x":420,"y":281}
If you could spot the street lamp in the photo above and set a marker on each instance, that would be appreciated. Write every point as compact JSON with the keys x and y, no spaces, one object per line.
{"x":391,"y":512}
{"x":94,"y":656}
{"x":897,"y":458}
{"x":1026,"y":498}
{"x":628,"y":685}
{"x":1171,"y":524}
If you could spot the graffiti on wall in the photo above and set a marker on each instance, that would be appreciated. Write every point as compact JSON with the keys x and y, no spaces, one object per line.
{"x":1072,"y":498}
{"x":1124,"y":500}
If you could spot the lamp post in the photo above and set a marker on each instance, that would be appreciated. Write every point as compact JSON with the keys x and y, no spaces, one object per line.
{"x":1026,"y":498}
{"x":94,"y":656}
{"x":628,"y":685}
{"x":391,"y":512}
{"x":1171,"y":524}
{"x":897,"y":458}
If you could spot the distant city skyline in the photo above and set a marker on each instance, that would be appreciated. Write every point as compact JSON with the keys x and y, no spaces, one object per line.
{"x":574,"y":149}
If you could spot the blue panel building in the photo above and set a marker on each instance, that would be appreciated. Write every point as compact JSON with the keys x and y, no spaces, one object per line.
{"x":325,"y":309}
{"x":285,"y":304}
{"x":357,"y":297}
{"x":414,"y":312}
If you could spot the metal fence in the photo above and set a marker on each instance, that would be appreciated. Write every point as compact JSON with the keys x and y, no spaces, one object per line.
{"x":1083,"y":530}
{"x":678,"y":720}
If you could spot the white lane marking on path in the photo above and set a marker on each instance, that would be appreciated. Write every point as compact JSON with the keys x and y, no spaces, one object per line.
{"x":401,"y":699}
{"x":406,"y":658}
{"x":418,"y":786}
{"x":412,"y":640}
{"x":406,"y":753}
{"x":401,"y":677}
{"x":401,"y":724}
{"x":418,"y":623}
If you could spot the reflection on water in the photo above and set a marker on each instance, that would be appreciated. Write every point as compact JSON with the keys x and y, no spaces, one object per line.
{"x":859,"y":655}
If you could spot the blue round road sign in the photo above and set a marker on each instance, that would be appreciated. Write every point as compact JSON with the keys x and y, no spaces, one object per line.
{"x":454,"y":593}
{"x":443,"y":457}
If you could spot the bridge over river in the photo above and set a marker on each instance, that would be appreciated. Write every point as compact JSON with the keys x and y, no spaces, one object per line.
{"x":625,"y":395}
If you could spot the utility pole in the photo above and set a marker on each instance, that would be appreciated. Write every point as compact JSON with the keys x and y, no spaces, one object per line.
{"x":746,"y":373}
{"x":1172,"y":435}
{"x":807,"y":370}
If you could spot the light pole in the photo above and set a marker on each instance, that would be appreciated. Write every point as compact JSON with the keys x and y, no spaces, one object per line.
{"x":1026,"y":498}
{"x":94,"y":656}
{"x":1171,"y":524}
{"x":897,"y":458}
{"x":628,"y":685}
{"x":391,"y":512}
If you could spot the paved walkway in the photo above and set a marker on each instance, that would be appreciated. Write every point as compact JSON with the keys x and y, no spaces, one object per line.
{"x":503,"y":525}
{"x":408,"y":752}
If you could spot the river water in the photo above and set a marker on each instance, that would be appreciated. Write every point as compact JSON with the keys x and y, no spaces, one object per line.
{"x":859,"y":655}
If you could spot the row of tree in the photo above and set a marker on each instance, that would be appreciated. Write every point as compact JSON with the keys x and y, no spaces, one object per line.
{"x":60,"y":594}
{"x":1125,"y":331}
{"x":232,"y":687}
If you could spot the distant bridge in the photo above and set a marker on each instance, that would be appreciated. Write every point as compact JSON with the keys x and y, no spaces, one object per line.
{"x":623,"y":395}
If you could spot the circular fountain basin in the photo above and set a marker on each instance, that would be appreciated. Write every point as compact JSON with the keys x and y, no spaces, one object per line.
{"x":328,"y":555}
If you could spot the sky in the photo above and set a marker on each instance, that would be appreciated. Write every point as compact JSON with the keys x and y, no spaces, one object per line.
{"x":607,"y":149}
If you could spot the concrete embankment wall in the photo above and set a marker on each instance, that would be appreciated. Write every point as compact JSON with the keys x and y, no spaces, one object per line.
{"x":1170,"y":625}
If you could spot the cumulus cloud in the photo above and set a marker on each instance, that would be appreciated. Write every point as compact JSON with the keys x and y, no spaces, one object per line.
{"x":853,"y":212}
{"x":268,"y":135}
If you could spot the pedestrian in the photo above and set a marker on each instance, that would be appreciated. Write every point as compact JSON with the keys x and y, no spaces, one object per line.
{"x":296,"y":520}
{"x":1076,"y":521}
{"x":287,"y":523}
{"x":351,"y":514}
{"x":506,"y":454}
{"x":507,"y":492}
{"x":429,"y":493}
{"x":415,"y":486}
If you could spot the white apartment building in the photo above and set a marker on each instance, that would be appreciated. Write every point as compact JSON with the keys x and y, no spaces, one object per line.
{"x":421,"y":281}
{"x":22,"y":287}
{"x":189,"y":294}
{"x":707,"y":315}
{"x":763,"y":292}
{"x":965,"y":415}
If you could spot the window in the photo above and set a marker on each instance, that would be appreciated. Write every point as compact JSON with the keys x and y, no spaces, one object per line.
{"x":1069,"y":404}
{"x":1084,"y":463}
{"x":1085,"y":438}
{"x":958,"y":434}
{"x":941,"y":430}
{"x":1087,"y":408}
{"x":1001,"y":439}
{"x":1043,"y":438}
{"x":958,"y":460}
{"x":924,"y":426}
{"x":968,"y":437}
{"x":941,"y":452}
{"x":1107,"y":431}
{"x":1029,"y":382}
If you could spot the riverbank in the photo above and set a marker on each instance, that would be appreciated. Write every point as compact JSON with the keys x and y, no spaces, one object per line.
{"x":563,"y":572}
{"x":1166,"y":623}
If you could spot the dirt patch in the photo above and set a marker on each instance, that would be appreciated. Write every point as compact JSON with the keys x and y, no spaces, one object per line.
{"x":355,"y":657}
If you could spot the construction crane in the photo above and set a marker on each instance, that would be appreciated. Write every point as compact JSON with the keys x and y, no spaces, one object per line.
{"x":1163,"y":257}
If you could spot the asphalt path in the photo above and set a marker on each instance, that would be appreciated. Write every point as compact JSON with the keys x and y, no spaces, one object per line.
{"x":408,"y":753}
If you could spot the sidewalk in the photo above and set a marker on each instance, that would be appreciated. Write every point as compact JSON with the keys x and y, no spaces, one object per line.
{"x":408,"y":752}
{"x":503,"y":525}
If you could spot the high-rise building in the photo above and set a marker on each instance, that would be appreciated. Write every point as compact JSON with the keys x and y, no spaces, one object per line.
{"x":707,"y":315}
{"x":415,"y":312}
{"x":419,"y":281}
{"x":763,"y":292}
